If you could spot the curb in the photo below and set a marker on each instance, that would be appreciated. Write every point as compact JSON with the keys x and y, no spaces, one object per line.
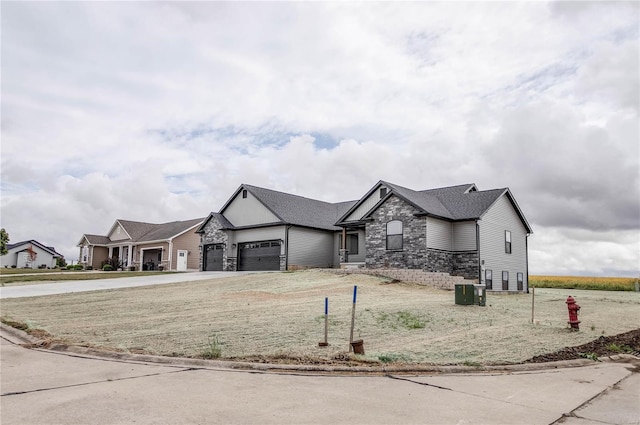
{"x":19,"y":337}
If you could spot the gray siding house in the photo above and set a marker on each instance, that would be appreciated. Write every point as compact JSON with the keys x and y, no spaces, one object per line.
{"x":459,"y":230}
{"x":30,"y":254}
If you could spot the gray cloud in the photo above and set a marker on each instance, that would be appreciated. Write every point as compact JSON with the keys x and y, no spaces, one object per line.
{"x":158,"y":111}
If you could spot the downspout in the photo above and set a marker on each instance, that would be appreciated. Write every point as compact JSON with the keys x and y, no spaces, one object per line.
{"x":478,"y":249}
{"x":526,"y":255}
{"x":286,"y":247}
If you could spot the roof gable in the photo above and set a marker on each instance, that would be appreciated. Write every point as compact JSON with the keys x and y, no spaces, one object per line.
{"x":454,"y":203}
{"x":51,"y":250}
{"x":94,"y":240}
{"x":224,"y":223}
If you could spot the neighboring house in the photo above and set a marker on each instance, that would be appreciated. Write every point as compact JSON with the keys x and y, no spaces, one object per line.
{"x":479,"y":235}
{"x":144,"y":246}
{"x":31,"y":255}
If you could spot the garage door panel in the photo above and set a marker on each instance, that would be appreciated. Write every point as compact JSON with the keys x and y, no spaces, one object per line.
{"x":255,"y":256}
{"x":213,"y":257}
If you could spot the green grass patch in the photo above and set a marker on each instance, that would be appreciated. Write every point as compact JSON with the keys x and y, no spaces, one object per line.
{"x":8,"y":271}
{"x":72,"y":275}
{"x":213,"y":347}
{"x":619,"y":348}
{"x":403,"y":319}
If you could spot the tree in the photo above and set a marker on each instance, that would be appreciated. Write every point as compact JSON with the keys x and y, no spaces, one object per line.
{"x":4,"y":239}
{"x":32,"y":255}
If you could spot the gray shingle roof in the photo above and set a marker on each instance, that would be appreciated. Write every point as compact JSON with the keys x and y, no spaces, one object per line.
{"x":146,"y":232}
{"x":97,"y":239}
{"x":224,"y":223}
{"x":51,"y":249}
{"x":301,"y":211}
{"x":168,"y":230}
{"x":452,"y":203}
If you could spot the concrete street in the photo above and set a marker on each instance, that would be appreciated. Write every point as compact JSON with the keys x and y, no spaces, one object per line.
{"x":64,"y":287}
{"x":48,"y":387}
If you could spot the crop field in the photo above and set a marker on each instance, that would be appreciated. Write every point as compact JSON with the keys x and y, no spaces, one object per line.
{"x":583,"y":282}
{"x":281,"y":315}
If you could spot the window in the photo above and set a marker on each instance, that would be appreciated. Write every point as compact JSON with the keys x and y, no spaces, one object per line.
{"x":520,"y":277}
{"x":244,"y":193}
{"x":507,"y":242}
{"x":488,"y":279}
{"x":394,"y":235}
{"x":352,"y":243}
{"x":383,"y":192}
{"x":159,"y":256}
{"x":505,"y":281}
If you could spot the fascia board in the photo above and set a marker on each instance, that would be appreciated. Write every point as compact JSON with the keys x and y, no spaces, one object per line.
{"x":515,"y":205}
{"x":186,"y":230}
{"x":387,"y":196}
{"x":360,"y":201}
{"x":117,"y":223}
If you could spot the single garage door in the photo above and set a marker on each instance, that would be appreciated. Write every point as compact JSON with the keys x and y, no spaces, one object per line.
{"x":213,"y":257}
{"x":254,"y":256}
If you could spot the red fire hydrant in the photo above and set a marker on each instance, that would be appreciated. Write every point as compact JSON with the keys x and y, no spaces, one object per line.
{"x":573,"y":312}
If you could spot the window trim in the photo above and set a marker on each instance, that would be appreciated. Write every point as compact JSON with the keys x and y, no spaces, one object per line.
{"x":505,"y":283}
{"x":396,"y":234}
{"x":244,"y":193}
{"x":520,"y":280}
{"x":488,"y":278}
{"x":507,"y":241}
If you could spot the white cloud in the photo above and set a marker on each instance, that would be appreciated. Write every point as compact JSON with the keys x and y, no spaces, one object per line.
{"x":158,"y":111}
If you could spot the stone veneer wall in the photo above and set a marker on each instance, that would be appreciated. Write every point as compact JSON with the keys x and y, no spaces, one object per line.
{"x":214,"y":234}
{"x":438,"y":261}
{"x":231,"y":264}
{"x":466,"y":264}
{"x":413,"y":255}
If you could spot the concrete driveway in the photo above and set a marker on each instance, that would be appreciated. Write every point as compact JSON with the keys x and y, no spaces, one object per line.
{"x":48,"y":387}
{"x":64,"y":287}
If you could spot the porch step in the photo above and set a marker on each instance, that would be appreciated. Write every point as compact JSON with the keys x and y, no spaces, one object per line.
{"x":434,"y":279}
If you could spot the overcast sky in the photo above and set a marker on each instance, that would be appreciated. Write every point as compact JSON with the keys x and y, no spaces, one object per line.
{"x":159,"y":111}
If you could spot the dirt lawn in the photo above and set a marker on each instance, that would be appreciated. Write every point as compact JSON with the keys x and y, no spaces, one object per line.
{"x":281,"y":315}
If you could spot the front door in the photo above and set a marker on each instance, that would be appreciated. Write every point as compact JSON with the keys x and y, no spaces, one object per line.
{"x":182,"y":260}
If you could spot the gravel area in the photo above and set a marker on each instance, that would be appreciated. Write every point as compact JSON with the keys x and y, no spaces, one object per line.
{"x":279,"y":316}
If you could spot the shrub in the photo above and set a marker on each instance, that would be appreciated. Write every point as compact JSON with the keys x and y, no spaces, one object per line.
{"x":107,"y":268}
{"x":114,"y":262}
{"x":213,"y":348}
{"x":13,"y":266}
{"x":89,"y":268}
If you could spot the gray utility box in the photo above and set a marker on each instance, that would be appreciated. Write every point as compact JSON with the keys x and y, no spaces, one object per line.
{"x":480,"y":295}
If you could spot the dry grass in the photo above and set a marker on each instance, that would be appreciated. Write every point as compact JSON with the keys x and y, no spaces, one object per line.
{"x":584,"y":282}
{"x":281,"y":314}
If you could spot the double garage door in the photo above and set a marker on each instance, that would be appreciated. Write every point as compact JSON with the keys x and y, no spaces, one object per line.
{"x":255,"y":256}
{"x":252,"y":256}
